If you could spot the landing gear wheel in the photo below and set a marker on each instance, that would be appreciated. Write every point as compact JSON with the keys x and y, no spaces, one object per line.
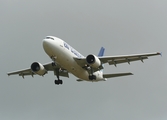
{"x":57,"y":82}
{"x":60,"y":81}
{"x":92,"y":77}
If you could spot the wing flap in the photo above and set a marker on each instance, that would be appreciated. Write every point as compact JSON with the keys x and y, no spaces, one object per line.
{"x":124,"y":60}
{"x":62,"y":73}
{"x":21,"y":72}
{"x":52,"y":66}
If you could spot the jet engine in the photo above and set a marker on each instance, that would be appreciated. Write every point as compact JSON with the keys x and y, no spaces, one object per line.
{"x":38,"y":68}
{"x":93,"y":61}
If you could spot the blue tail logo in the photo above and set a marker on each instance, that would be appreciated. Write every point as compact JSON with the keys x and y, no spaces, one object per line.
{"x":101,"y":52}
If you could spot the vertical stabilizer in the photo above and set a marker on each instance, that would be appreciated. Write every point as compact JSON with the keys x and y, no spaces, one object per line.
{"x":101,"y":52}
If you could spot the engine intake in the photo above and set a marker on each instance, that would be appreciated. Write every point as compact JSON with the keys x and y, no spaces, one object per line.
{"x":38,"y":68}
{"x":93,"y":61}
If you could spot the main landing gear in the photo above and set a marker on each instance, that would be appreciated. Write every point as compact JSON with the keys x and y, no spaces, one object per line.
{"x":58,"y":81}
{"x":91,"y":76}
{"x":57,"y":72}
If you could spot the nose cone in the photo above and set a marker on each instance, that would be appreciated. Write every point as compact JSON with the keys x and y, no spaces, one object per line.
{"x":47,"y":46}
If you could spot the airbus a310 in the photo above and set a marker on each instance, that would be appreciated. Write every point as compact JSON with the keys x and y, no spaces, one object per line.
{"x":65,"y":60}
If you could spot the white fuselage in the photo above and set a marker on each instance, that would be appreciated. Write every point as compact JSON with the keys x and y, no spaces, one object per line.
{"x":63,"y":54}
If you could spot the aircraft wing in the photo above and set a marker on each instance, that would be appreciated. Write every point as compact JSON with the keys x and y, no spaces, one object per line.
{"x":114,"y":60}
{"x":49,"y":67}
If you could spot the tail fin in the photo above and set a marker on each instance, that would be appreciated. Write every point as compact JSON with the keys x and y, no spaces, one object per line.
{"x":101,"y":52}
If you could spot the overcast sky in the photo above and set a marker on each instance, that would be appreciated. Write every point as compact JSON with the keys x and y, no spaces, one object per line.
{"x":121,"y":26}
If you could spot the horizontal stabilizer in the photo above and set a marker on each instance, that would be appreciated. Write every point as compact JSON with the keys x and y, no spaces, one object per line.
{"x":116,"y":75}
{"x":79,"y":80}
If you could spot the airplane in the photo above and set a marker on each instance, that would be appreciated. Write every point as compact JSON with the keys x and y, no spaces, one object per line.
{"x":65,"y":60}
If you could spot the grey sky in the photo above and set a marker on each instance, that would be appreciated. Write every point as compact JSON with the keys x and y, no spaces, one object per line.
{"x":122,"y":27}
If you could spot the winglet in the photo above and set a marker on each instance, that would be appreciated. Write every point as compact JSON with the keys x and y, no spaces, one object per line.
{"x":101,"y":52}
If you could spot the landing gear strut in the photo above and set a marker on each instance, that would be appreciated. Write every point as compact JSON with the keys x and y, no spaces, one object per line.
{"x":58,"y":81}
{"x":91,"y":76}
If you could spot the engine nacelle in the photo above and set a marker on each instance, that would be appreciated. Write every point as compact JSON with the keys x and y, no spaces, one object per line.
{"x":38,"y":68}
{"x":93,"y":61}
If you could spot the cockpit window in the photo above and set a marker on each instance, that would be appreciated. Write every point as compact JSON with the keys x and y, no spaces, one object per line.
{"x":49,"y":38}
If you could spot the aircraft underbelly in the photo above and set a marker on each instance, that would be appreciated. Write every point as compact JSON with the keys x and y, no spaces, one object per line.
{"x":75,"y":69}
{"x":67,"y":62}
{"x":65,"y":59}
